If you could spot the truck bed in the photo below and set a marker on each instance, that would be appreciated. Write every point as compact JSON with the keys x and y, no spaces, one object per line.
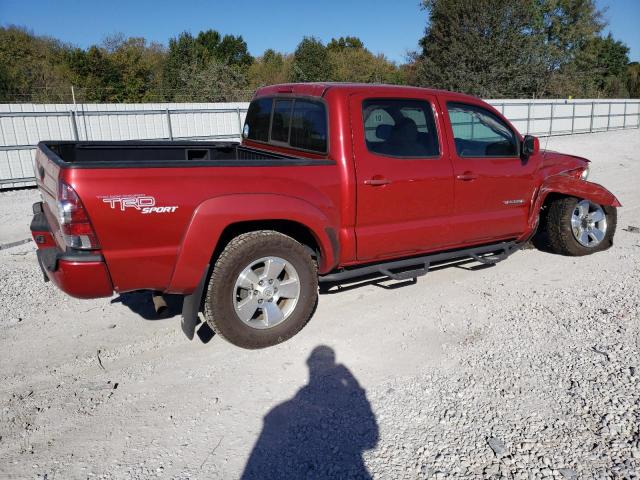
{"x":136,"y":154}
{"x":190,"y":191}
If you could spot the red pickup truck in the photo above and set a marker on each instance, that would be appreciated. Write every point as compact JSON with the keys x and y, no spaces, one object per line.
{"x":331,"y":182}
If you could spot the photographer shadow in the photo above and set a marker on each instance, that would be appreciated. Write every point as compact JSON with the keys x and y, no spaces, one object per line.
{"x":321,"y":432}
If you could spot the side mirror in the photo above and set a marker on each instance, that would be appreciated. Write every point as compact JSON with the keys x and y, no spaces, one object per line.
{"x":530,"y":145}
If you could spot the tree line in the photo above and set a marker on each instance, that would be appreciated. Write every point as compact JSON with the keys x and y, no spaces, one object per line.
{"x":489,"y":48}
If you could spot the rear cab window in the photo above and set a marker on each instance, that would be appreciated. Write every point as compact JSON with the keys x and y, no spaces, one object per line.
{"x":291,"y":122}
{"x":402,"y":128}
{"x":256,"y":126}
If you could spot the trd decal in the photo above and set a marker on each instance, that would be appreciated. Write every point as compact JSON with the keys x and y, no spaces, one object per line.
{"x":159,"y":209}
{"x":143,"y":203}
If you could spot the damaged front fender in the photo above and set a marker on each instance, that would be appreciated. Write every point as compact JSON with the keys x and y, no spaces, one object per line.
{"x":576,"y":187}
{"x":569,"y":185}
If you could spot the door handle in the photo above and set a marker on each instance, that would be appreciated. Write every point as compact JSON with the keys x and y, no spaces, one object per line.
{"x":377,"y":181}
{"x":467,"y":176}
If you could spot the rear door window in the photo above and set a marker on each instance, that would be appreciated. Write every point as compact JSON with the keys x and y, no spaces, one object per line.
{"x":400,"y":128}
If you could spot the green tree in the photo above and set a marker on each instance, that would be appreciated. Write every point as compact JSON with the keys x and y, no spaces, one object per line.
{"x":233,"y":51}
{"x":360,"y":65}
{"x":96,"y":74}
{"x":139,"y":65}
{"x":196,"y":53}
{"x":311,"y":62}
{"x":216,"y":82}
{"x":519,"y":48}
{"x":33,"y":67}
{"x":485,"y":47}
{"x":343,"y":43}
{"x":205,"y":45}
{"x":229,"y":49}
{"x":352,"y":62}
{"x":182,"y":51}
{"x":271,"y":68}
{"x":5,"y":83}
{"x":633,"y":79}
{"x":566,"y":27}
{"x":604,"y":62}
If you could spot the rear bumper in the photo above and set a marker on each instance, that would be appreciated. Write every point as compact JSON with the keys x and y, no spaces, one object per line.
{"x":80,"y":274}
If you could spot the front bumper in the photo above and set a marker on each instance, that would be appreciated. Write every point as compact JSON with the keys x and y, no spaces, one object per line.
{"x":81,"y":274}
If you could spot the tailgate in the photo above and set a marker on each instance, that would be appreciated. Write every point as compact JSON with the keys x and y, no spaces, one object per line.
{"x":48,"y":182}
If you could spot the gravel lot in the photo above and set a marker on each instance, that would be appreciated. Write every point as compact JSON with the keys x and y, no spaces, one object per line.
{"x":529,"y":369}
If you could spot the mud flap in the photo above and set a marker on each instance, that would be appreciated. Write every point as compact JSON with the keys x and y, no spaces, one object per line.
{"x":42,"y":267}
{"x":191,"y":307}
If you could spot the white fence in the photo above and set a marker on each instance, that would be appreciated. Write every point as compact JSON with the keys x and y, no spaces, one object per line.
{"x":22,"y":126}
{"x":565,"y":117}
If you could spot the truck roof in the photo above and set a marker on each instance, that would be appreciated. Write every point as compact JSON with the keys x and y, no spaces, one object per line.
{"x":319,"y":89}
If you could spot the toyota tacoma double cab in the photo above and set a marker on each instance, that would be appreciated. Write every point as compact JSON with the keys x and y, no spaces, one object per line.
{"x":331,"y":182}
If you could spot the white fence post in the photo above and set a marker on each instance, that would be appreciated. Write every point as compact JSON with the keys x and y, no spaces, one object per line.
{"x":239,"y":122}
{"x":74,"y":124}
{"x":169,"y":130}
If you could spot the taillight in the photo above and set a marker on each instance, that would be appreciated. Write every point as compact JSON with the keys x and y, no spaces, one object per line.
{"x":74,"y":221}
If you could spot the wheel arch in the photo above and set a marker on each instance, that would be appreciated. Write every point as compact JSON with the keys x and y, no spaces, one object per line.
{"x":566,"y":185}
{"x":573,"y":186}
{"x":296,"y":230}
{"x":216,"y":221}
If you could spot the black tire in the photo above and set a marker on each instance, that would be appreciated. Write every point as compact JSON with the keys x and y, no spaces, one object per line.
{"x":219,"y":310}
{"x":560,"y":237}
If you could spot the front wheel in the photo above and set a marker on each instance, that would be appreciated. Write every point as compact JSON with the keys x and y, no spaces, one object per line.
{"x":263,"y":290}
{"x":579,"y":227}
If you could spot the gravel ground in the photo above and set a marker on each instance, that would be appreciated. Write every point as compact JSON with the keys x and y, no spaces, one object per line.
{"x":15,"y":214}
{"x":529,"y":369}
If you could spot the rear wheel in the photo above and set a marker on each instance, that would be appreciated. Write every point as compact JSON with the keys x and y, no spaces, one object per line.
{"x":579,"y":227}
{"x":263,"y":290}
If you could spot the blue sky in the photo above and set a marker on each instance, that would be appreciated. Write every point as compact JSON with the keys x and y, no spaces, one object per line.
{"x":389,"y":27}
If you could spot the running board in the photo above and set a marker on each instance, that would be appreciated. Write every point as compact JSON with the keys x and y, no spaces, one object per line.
{"x":407,"y":274}
{"x":497,"y":257}
{"x":419,"y":266}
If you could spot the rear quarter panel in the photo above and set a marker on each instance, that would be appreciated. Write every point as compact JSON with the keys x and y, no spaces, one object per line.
{"x":141,"y":250}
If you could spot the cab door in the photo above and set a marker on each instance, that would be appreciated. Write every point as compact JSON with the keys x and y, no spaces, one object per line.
{"x":493,"y":183}
{"x":404,"y":176}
